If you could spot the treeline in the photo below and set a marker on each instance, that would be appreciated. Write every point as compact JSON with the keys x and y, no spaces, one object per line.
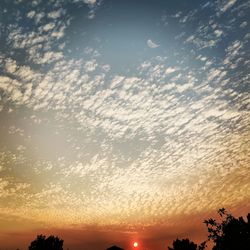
{"x":229,"y":233}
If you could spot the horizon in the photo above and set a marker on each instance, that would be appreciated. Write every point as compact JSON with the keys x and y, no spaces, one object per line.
{"x":97,"y":238}
{"x":122,"y":121}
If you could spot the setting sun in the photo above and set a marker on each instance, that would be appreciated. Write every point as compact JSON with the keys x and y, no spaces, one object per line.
{"x":135,"y":244}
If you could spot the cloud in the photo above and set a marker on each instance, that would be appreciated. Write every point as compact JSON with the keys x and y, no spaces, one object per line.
{"x":88,"y":145}
{"x":90,"y":66}
{"x":243,"y":24}
{"x":56,"y":13}
{"x":151,"y":44}
{"x":218,"y":33}
{"x":90,"y":1}
{"x":31,"y":14}
{"x":170,"y":70}
{"x":227,"y":5}
{"x":48,"y":26}
{"x":93,"y":6}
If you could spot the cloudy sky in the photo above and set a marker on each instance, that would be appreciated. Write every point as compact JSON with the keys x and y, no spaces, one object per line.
{"x":122,"y":119}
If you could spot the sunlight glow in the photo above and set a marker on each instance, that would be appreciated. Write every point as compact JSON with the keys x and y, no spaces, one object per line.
{"x":135,"y":244}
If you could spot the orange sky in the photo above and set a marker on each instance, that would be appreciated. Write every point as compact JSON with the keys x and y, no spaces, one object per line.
{"x":95,"y":237}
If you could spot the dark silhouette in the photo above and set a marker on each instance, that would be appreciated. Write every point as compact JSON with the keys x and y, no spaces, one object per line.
{"x":186,"y":244}
{"x":49,"y":243}
{"x":229,"y":234}
{"x":114,"y":248}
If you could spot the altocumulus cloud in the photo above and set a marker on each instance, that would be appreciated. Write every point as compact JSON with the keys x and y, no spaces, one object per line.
{"x":96,"y":146}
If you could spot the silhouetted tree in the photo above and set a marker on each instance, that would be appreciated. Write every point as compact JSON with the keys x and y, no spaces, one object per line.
{"x":49,"y":243}
{"x":186,"y":244}
{"x":229,"y":234}
{"x":114,"y":248}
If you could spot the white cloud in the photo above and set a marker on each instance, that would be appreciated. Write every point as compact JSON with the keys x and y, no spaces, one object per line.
{"x":184,"y":87}
{"x":10,"y":66}
{"x":132,"y":144}
{"x":116,"y":81}
{"x":31,"y":14}
{"x":228,"y":5}
{"x":152,"y":45}
{"x":38,"y":17}
{"x":218,"y":33}
{"x":50,"y":57}
{"x":243,"y":24}
{"x":106,"y":67}
{"x":170,"y":70}
{"x":89,"y":1}
{"x":55,"y":14}
{"x":124,"y":109}
{"x":49,"y":26}
{"x":90,"y":65}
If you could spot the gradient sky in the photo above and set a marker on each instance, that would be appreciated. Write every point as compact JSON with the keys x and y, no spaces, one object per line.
{"x":122,"y":119}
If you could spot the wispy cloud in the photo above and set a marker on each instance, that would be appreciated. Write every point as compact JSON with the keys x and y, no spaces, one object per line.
{"x":227,"y":5}
{"x":152,"y":44}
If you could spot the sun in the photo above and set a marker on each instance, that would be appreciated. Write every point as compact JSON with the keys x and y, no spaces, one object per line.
{"x":135,"y":244}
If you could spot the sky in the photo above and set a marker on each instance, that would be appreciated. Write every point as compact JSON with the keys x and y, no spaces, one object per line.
{"x":122,"y":120}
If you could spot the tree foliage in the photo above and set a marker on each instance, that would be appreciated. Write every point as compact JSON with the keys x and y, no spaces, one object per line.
{"x":49,"y":243}
{"x":186,"y":244}
{"x":230,"y":233}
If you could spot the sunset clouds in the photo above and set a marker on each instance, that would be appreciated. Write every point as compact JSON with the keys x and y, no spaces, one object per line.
{"x":89,"y":141}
